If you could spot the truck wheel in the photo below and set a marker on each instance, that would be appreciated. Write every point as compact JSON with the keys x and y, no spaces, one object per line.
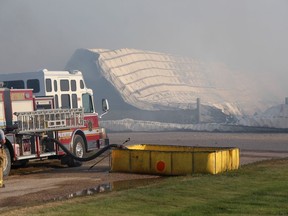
{"x":79,"y":146}
{"x":78,"y":150}
{"x":7,"y":162}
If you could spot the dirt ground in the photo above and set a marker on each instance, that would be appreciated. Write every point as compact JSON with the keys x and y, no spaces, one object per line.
{"x":48,"y":180}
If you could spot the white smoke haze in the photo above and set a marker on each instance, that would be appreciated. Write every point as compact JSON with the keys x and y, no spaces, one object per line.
{"x":249,"y":37}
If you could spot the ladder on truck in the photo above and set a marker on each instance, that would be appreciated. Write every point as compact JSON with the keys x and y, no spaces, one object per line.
{"x":49,"y":120}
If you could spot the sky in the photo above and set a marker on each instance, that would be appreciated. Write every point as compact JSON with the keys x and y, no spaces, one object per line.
{"x":247,"y":35}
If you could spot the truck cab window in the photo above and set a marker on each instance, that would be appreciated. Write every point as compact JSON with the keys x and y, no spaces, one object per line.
{"x":73,"y":85}
{"x":81,"y":84}
{"x":56,"y":101}
{"x":33,"y":84}
{"x":64,"y":85}
{"x":48,"y":83}
{"x":65,"y":101}
{"x":87,"y":103}
{"x":55,"y":86}
{"x":16,"y":84}
{"x":74,"y":101}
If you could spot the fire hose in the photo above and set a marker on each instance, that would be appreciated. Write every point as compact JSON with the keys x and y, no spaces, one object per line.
{"x":97,"y":154}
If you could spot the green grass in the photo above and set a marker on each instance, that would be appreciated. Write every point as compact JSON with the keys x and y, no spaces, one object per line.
{"x":255,"y":189}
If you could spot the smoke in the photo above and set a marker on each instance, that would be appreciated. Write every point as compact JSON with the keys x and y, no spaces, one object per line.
{"x":249,"y":36}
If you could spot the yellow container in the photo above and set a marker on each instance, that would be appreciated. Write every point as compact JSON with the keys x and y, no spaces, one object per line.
{"x":174,"y":160}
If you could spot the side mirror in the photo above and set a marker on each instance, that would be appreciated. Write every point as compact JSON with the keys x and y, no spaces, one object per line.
{"x":105,"y":107}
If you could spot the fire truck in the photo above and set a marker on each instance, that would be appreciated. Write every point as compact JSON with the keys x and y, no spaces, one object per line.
{"x":55,"y":104}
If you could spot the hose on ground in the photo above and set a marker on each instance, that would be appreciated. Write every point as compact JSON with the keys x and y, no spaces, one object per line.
{"x":97,"y":154}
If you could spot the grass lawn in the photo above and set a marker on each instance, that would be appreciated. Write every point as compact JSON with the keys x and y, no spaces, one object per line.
{"x":255,"y":189}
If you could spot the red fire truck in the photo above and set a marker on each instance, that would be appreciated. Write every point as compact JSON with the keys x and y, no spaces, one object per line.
{"x":55,"y":104}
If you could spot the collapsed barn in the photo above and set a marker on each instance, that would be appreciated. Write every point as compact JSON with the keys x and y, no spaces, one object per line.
{"x":152,"y":86}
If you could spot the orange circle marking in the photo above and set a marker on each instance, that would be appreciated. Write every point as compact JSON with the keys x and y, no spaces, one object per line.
{"x":160,"y":166}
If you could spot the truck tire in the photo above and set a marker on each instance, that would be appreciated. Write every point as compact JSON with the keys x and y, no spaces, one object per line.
{"x":79,"y":150}
{"x":7,"y":162}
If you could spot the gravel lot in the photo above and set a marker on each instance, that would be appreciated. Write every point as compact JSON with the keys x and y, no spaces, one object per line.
{"x":49,"y":180}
